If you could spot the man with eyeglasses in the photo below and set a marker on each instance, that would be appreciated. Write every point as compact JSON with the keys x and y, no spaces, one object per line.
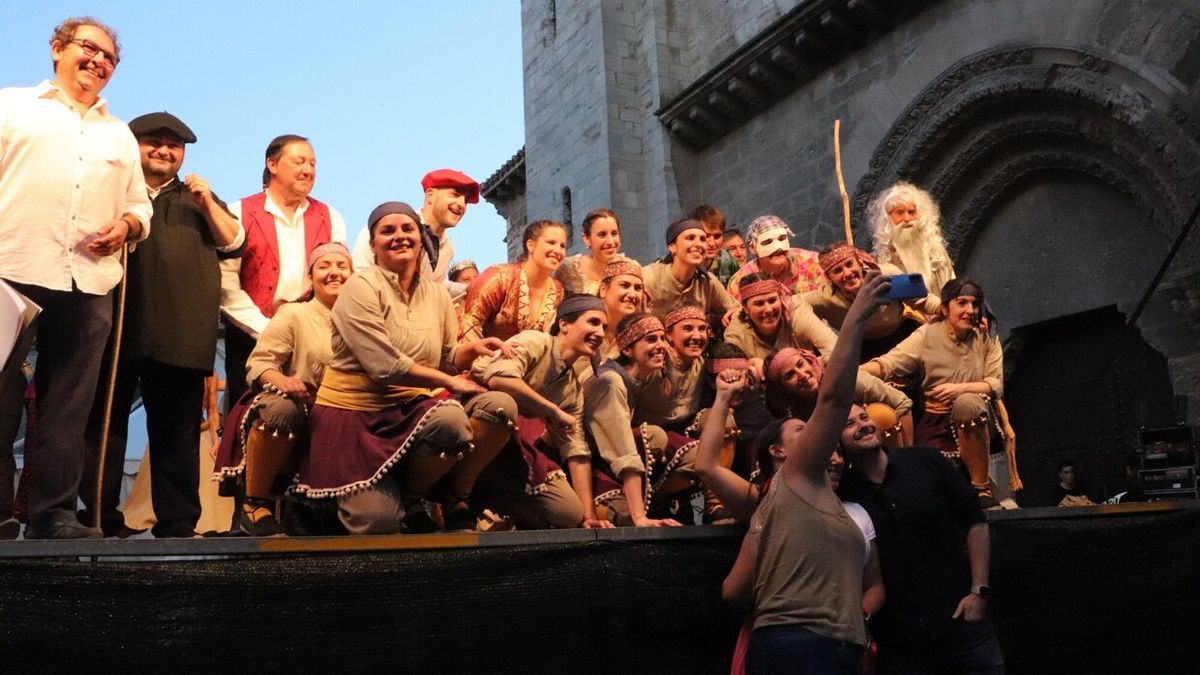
{"x":170,"y":337}
{"x":72,"y":194}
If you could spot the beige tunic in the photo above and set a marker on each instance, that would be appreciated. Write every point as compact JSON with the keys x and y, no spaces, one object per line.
{"x":609,"y":419}
{"x":804,"y":330}
{"x":540,"y":364}
{"x":295,"y":342}
{"x":832,"y":305}
{"x":684,"y":387}
{"x":377,"y":332}
{"x":944,"y":358}
{"x":703,"y":288}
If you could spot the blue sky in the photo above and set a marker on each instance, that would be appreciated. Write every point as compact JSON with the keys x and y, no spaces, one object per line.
{"x":385,"y":91}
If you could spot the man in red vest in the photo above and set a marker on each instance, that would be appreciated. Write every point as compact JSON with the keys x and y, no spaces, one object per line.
{"x":283,"y":225}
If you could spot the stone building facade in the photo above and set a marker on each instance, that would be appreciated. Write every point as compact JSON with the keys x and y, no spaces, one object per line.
{"x":1062,"y":139}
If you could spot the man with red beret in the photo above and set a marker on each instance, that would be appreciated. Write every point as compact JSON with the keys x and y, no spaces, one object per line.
{"x":447,"y":193}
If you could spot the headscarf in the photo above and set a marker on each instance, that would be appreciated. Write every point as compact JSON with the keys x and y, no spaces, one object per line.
{"x":785,"y":359}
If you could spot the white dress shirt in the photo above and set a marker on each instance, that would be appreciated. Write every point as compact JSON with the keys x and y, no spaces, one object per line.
{"x":236,"y":304}
{"x":62,"y":177}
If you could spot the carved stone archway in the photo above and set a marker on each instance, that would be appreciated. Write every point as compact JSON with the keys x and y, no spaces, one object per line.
{"x":1061,"y":137}
{"x":995,"y":119}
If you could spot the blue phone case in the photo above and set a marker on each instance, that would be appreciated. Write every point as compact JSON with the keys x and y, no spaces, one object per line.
{"x":907,"y":287}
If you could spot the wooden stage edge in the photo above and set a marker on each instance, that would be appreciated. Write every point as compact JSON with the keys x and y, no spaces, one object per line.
{"x":234,"y":546}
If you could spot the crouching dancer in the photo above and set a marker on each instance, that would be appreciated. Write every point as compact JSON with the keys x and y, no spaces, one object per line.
{"x":620,"y":477}
{"x":961,"y":365}
{"x":386,"y":428}
{"x":539,"y":372}
{"x":283,"y":372}
{"x":794,"y":377}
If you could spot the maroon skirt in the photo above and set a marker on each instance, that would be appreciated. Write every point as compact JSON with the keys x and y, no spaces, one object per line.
{"x":231,"y":451}
{"x":677,"y":447}
{"x":525,"y":464}
{"x":351,"y":450}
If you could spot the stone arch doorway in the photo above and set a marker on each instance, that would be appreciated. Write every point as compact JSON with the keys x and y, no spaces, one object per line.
{"x":1064,"y":175}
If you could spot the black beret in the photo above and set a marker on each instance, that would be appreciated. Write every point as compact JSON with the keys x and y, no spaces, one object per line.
{"x":161,"y":121}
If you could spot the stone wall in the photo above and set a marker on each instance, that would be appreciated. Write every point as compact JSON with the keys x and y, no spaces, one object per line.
{"x":1062,"y":139}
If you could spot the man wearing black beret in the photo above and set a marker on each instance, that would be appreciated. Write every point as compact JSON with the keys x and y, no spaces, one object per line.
{"x":170,"y":335}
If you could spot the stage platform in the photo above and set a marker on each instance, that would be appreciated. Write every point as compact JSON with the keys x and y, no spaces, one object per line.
{"x":1086,"y":589}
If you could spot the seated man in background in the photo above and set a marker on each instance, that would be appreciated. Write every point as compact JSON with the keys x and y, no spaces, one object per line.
{"x":1068,"y":492}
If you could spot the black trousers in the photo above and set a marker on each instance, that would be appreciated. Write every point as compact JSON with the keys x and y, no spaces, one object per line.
{"x":12,"y":404}
{"x":71,"y":335}
{"x":238,"y":345}
{"x":174,"y":398}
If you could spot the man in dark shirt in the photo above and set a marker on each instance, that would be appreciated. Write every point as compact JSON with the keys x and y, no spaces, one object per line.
{"x":934,"y":552}
{"x":170,"y":335}
{"x":1068,"y":492}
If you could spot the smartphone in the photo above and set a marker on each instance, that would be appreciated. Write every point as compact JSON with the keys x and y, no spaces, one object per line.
{"x":907,"y":287}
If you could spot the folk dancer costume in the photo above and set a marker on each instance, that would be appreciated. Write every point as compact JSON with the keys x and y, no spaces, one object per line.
{"x":884,"y":403}
{"x":702,"y":287}
{"x":168,"y":347}
{"x":63,"y":176}
{"x":498,"y":304}
{"x":377,"y":446}
{"x":798,"y":327}
{"x":967,"y":429}
{"x":270,"y":272}
{"x":616,"y":444}
{"x":890,"y":323}
{"x":803,"y":271}
{"x":526,"y":480}
{"x":609,"y":349}
{"x":574,"y":282}
{"x":671,"y":400}
{"x":265,"y":426}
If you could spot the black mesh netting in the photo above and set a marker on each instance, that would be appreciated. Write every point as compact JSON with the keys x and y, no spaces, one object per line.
{"x":1098,"y":595}
{"x":586,"y":608}
{"x":1094,"y":595}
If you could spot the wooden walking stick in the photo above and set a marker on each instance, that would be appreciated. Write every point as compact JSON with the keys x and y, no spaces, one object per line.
{"x":837,"y":166}
{"x":112,"y":385}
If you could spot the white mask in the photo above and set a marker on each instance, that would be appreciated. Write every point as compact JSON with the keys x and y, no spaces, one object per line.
{"x":771,"y":241}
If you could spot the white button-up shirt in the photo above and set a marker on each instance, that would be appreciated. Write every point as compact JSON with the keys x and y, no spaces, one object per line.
{"x":62,"y":178}
{"x":236,"y":304}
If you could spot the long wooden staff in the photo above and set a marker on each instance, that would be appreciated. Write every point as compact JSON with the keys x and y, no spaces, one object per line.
{"x":837,"y":165}
{"x":112,"y":385}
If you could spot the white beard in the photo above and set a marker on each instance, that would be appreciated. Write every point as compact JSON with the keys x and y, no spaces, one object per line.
{"x":911,"y":251}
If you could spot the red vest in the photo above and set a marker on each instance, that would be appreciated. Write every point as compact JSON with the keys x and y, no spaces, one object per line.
{"x":260,"y":258}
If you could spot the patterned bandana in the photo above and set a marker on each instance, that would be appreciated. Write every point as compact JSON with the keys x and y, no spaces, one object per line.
{"x":785,"y":359}
{"x":326,"y":249}
{"x":841,"y":254}
{"x":685,"y":312}
{"x":715,"y":366}
{"x":638,"y":330}
{"x":618,"y":267}
{"x":761,"y":288}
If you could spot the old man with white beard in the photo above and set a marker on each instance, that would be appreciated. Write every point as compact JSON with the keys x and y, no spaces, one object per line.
{"x":906,"y":225}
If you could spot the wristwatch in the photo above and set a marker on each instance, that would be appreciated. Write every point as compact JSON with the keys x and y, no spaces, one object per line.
{"x":981,"y":591}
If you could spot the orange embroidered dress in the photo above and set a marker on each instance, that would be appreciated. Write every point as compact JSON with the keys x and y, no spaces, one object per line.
{"x":498,"y":305}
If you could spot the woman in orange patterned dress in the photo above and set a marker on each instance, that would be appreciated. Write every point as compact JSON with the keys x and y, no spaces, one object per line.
{"x":511,"y":297}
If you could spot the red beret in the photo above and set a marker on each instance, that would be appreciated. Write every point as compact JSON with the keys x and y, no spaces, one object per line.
{"x":449,"y":178}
